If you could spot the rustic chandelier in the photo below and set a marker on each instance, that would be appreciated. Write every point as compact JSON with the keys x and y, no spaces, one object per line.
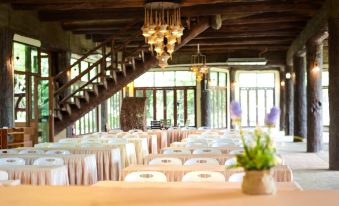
{"x":198,"y":62}
{"x":162,"y":28}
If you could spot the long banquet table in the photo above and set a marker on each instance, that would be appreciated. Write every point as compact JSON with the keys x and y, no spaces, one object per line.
{"x":37,"y":175}
{"x":280,"y":173}
{"x":101,"y":196}
{"x":224,"y":150}
{"x":108,"y":159}
{"x":82,"y":169}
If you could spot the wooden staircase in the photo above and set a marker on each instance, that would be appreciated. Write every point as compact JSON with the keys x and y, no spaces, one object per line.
{"x":115,"y":68}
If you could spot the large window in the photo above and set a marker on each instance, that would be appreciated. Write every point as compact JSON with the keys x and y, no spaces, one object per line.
{"x":113,"y":110}
{"x":326,"y":113}
{"x":218,"y":99}
{"x":257,"y":96}
{"x":170,"y":96}
{"x":87,"y":123}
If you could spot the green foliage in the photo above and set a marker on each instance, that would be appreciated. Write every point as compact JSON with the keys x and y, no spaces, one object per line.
{"x":259,"y":155}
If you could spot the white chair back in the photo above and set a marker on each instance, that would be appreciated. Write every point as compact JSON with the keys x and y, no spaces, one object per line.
{"x":114,"y":131}
{"x":90,"y":141}
{"x":203,"y":176}
{"x":61,"y":152}
{"x":230,"y":162}
{"x":146,"y":176}
{"x":221,"y":144}
{"x":91,"y":144}
{"x":178,"y":144}
{"x":202,"y":161}
{"x":127,"y":136}
{"x":235,"y":152}
{"x":42,"y":145}
{"x":176,"y":151}
{"x":70,"y":140}
{"x":237,"y":177}
{"x":63,"y":145}
{"x":165,"y":161}
{"x":207,"y":151}
{"x":122,"y":134}
{"x":196,"y":144}
{"x":3,"y":175}
{"x":117,"y":141}
{"x":48,"y":161}
{"x":8,"y":151}
{"x":12,"y":161}
{"x":31,"y":151}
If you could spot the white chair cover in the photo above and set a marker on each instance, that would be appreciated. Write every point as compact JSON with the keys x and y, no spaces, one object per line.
{"x":31,"y":151}
{"x":230,"y":162}
{"x":207,"y":151}
{"x":42,"y":145}
{"x":196,"y":144}
{"x":90,"y":141}
{"x":235,"y":152}
{"x":178,"y":144}
{"x":3,"y":175}
{"x":122,"y":134}
{"x":221,"y":144}
{"x":48,"y":161}
{"x":63,"y":152}
{"x":130,"y":136}
{"x":165,"y":161}
{"x":146,"y":176}
{"x":92,"y":144}
{"x":70,"y":140}
{"x":62,"y":145}
{"x":114,"y":131}
{"x":203,"y":176}
{"x":117,"y":141}
{"x":176,"y":151}
{"x":237,"y":177}
{"x":202,"y":161}
{"x":8,"y":151}
{"x":12,"y":161}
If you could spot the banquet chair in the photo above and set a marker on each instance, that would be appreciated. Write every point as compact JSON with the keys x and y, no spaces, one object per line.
{"x":117,"y":141}
{"x":202,"y":161}
{"x":12,"y":161}
{"x":31,"y":151}
{"x":145,"y":176}
{"x":69,"y":140}
{"x":203,"y":176}
{"x":42,"y":145}
{"x":237,"y":177}
{"x":207,"y":151}
{"x":230,"y":162}
{"x":63,"y":152}
{"x":165,"y":161}
{"x":178,"y":144}
{"x":92,"y":144}
{"x":62,"y":145}
{"x":127,"y":136}
{"x":48,"y":161}
{"x":122,"y":134}
{"x":135,"y":131}
{"x":221,"y":144}
{"x":235,"y":152}
{"x":3,"y":175}
{"x":176,"y":151}
{"x":86,"y":141}
{"x":114,"y":131}
{"x":196,"y":144}
{"x":8,"y":151}
{"x":204,"y":128}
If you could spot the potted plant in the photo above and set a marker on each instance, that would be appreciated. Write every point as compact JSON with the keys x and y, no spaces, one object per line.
{"x":258,"y":158}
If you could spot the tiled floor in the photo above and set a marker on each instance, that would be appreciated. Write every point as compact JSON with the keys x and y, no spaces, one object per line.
{"x":310,"y":170}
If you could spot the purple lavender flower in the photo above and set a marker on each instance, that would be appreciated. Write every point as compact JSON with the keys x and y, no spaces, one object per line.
{"x":235,"y":110}
{"x":272,"y":117}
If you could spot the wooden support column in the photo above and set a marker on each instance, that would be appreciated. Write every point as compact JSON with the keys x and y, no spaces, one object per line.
{"x":103,"y":117}
{"x":282,"y":100}
{"x":289,"y":96}
{"x":333,"y":42}
{"x":232,"y":89}
{"x":314,"y":55}
{"x":205,"y":104}
{"x":300,"y":116}
{"x":6,"y":79}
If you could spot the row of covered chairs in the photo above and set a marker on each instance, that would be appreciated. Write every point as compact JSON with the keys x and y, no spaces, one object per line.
{"x":34,"y":151}
{"x":195,"y":176}
{"x":198,"y":151}
{"x":191,"y":161}
{"x":42,"y":161}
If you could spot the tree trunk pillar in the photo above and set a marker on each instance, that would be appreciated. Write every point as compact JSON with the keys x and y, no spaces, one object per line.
{"x":205,"y":104}
{"x":282,"y":100}
{"x":289,"y":96}
{"x":314,"y":55}
{"x":232,"y":89}
{"x":300,"y":115}
{"x":333,"y":42}
{"x":6,"y":79}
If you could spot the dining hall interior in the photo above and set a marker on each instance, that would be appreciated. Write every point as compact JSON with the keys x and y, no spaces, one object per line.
{"x":169,"y":102}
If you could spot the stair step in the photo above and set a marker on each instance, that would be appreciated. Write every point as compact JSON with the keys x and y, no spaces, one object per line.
{"x":84,"y":96}
{"x":65,"y":108}
{"x":75,"y":102}
{"x":93,"y":90}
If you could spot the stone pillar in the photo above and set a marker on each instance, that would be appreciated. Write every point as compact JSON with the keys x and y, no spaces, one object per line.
{"x":314,"y":55}
{"x":6,"y":79}
{"x":205,"y":104}
{"x":300,"y":116}
{"x":282,"y":100}
{"x":289,"y":96}
{"x":333,"y":42}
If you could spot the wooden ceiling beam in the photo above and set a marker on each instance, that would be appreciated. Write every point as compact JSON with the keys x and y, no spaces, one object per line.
{"x":200,"y":10}
{"x":253,"y":34}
